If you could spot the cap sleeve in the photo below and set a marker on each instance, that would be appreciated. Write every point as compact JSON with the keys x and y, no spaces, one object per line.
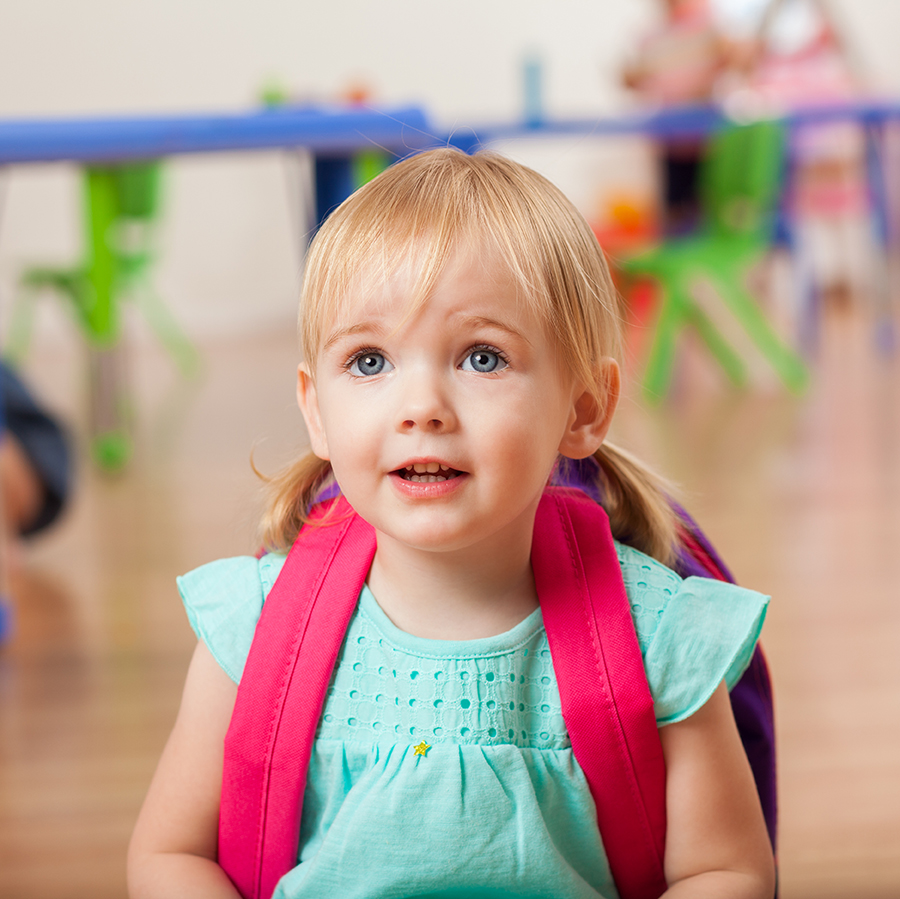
{"x":223,"y":601}
{"x":693,"y":633}
{"x":706,"y":634}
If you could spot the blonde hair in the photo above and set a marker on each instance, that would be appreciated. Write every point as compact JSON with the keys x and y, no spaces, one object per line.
{"x":415,"y":217}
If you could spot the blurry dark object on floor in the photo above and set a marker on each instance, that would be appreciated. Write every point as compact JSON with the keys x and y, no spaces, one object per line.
{"x":35,"y":459}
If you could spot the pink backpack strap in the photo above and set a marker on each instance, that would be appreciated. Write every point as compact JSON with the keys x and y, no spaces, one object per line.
{"x":606,"y":701}
{"x":281,"y":696}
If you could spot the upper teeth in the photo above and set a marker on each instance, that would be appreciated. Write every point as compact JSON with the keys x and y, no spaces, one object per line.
{"x":428,"y":467}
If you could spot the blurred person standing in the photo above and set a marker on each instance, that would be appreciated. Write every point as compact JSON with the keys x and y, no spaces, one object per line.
{"x":678,"y":63}
{"x":801,"y":60}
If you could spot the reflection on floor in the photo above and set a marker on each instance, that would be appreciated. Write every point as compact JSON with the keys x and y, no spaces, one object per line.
{"x":802,"y":497}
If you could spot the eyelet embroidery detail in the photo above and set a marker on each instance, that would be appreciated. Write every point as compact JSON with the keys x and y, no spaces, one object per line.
{"x":384,"y":693}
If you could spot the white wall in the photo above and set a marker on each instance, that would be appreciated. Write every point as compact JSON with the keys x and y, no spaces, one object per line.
{"x":230,"y":260}
{"x":461,"y":58}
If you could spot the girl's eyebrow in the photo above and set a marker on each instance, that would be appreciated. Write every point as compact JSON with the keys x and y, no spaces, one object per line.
{"x":482,"y":321}
{"x":464,"y":320}
{"x":367,"y":327}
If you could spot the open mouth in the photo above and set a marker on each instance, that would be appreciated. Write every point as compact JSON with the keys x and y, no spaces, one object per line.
{"x":428,"y":472}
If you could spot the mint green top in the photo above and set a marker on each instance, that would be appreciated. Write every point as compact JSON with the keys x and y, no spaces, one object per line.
{"x":496,"y":805}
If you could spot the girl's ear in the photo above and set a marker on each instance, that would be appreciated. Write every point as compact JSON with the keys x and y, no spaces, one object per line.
{"x":308,"y":400}
{"x":589,"y":420}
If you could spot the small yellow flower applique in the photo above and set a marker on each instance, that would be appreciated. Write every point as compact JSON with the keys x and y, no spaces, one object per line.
{"x":421,"y":749}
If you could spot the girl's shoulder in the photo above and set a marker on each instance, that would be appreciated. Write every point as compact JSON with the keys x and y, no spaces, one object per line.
{"x":693,"y":632}
{"x":223,"y":600}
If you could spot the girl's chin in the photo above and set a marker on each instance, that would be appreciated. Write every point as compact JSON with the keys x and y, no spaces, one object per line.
{"x":438,"y":533}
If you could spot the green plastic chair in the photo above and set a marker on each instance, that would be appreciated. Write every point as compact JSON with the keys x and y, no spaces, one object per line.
{"x":122,"y":205}
{"x":740,"y":184}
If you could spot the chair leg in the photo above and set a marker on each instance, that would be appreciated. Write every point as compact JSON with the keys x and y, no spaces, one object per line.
{"x":21,"y":322}
{"x":724,"y":353}
{"x":661,"y":358}
{"x":168,"y":331}
{"x":100,"y":312}
{"x":110,"y":407}
{"x":678,"y":310}
{"x":787,"y":364}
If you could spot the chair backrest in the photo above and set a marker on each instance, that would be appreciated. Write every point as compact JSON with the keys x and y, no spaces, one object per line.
{"x":138,"y":189}
{"x":741,"y":179}
{"x":131,"y":193}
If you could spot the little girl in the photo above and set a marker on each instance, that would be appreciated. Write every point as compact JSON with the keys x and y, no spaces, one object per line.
{"x":459,"y":331}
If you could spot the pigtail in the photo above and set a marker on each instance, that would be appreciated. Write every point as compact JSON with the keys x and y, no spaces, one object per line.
{"x":637,"y":503}
{"x":292,"y":493}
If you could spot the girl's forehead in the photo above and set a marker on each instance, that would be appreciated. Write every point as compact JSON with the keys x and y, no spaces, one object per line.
{"x":465,"y":278}
{"x":470,"y":289}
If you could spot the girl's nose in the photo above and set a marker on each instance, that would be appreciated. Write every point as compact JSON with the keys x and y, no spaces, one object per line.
{"x":426,"y":405}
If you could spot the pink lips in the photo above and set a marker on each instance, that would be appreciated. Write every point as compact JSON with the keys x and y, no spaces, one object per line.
{"x":433,"y":479}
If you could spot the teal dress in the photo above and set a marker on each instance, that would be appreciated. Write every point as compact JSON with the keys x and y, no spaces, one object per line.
{"x":443,"y":768}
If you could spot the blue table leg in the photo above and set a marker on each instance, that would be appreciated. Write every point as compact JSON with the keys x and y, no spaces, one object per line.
{"x":786,"y":236}
{"x":334,"y":183}
{"x":885,"y":336}
{"x":5,"y":607}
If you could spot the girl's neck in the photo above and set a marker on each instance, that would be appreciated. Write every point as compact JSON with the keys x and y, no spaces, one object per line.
{"x":461,"y":595}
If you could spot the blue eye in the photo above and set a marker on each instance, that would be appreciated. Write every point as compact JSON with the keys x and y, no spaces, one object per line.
{"x":484,"y":361}
{"x":368,"y":364}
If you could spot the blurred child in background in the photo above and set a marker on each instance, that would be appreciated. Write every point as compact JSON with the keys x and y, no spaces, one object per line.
{"x":800,"y":60}
{"x":678,"y":63}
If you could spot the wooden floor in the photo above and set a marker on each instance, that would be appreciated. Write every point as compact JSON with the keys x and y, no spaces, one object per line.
{"x":801,"y":496}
